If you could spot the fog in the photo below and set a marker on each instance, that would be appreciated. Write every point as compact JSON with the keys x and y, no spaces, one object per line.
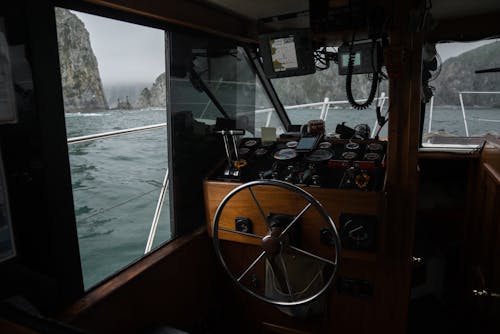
{"x":126,"y":53}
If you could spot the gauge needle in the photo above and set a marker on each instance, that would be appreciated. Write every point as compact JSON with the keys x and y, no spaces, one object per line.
{"x":351,"y":232}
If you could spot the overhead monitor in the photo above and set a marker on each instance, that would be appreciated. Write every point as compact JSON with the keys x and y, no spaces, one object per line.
{"x":287,"y":53}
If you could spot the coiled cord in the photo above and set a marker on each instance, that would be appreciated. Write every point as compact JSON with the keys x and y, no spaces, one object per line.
{"x":348,"y":82}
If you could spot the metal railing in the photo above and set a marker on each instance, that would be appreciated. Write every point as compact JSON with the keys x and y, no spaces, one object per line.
{"x":165,"y":183}
{"x":325,"y":107}
{"x":460,"y":97}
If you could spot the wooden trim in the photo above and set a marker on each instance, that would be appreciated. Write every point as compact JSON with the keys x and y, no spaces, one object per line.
{"x":466,"y":28}
{"x":491,"y":172}
{"x":189,"y":14}
{"x":272,"y":328}
{"x":448,"y":156}
{"x":135,"y":270}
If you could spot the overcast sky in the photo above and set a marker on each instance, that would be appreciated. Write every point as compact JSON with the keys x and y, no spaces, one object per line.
{"x":448,"y":50}
{"x":126,"y":52}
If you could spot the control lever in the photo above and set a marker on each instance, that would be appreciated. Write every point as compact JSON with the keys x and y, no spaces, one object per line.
{"x":289,"y":177}
{"x":233,"y":159}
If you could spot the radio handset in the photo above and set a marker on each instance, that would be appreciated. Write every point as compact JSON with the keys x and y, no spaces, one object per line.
{"x":358,"y":59}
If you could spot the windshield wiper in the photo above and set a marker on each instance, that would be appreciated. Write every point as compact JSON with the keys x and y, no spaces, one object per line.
{"x":489,"y":70}
{"x":198,"y":84}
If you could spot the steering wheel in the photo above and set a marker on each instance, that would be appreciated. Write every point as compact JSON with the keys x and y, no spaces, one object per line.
{"x":277,"y":241}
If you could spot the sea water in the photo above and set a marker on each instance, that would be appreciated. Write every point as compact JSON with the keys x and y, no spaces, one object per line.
{"x":116,"y":184}
{"x":116,"y":181}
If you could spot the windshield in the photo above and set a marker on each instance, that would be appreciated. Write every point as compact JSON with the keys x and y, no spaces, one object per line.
{"x":322,"y":95}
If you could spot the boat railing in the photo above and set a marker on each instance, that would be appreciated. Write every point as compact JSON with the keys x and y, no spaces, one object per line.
{"x":462,"y":107}
{"x":165,"y":183}
{"x":325,"y":108}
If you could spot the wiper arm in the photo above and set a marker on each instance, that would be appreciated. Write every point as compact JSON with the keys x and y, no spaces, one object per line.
{"x":489,"y":70}
{"x":198,"y":83}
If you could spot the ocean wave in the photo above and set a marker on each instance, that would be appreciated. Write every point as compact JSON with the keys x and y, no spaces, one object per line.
{"x":94,"y":234}
{"x":87,"y":114}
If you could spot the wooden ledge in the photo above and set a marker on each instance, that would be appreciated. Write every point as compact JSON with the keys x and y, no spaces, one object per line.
{"x":116,"y":282}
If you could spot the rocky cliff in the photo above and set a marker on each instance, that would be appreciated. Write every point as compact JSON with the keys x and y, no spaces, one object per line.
{"x":81,"y":82}
{"x":457,"y":74}
{"x":155,"y":96}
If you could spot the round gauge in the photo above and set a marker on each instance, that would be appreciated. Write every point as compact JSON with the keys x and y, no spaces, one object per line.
{"x":291,"y":144}
{"x":357,"y":231}
{"x":285,"y":154}
{"x":351,"y":146}
{"x":250,"y":143}
{"x":260,"y":152}
{"x":243,"y":150}
{"x":349,"y":155}
{"x":375,"y":147}
{"x":318,"y":155}
{"x":324,"y":145}
{"x":267,"y":143}
{"x":371,"y":156}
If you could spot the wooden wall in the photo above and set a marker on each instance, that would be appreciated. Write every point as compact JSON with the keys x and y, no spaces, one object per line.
{"x":484,"y":221}
{"x":172,"y":286}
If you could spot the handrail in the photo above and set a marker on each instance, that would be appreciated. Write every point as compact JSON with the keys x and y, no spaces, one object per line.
{"x":325,"y":105}
{"x":161,"y":199}
{"x":462,"y":107}
{"x":156,"y":217}
{"x":82,"y":139}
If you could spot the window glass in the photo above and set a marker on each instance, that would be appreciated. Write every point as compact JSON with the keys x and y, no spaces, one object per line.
{"x":113,"y":79}
{"x":465,"y":106}
{"x":213,"y":87}
{"x":323,"y":95}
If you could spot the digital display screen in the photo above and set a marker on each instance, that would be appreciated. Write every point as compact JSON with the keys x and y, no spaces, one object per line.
{"x":345,"y":59}
{"x":306,"y":143}
{"x":283,"y":54}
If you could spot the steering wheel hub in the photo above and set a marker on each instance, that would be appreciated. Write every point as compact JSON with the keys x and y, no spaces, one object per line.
{"x":271,"y":244}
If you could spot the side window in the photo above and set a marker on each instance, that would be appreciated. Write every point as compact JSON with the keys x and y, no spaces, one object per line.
{"x":465,"y":103}
{"x":214,"y":86}
{"x":114,"y":91}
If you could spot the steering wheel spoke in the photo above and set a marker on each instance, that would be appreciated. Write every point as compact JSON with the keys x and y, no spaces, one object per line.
{"x":250,"y":267}
{"x":258,"y":205}
{"x":296,"y":219}
{"x":240,"y":233}
{"x":317,"y":257}
{"x":287,"y":279}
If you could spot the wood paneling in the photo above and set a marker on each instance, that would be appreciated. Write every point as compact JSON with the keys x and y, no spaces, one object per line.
{"x":278,"y":200}
{"x":190,"y":14}
{"x":172,"y":286}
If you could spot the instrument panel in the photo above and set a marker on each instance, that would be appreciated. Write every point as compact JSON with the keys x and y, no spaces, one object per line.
{"x":334,"y":163}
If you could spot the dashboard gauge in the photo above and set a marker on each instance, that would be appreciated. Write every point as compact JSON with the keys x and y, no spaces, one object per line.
{"x":285,"y":154}
{"x":371,"y":156}
{"x":358,"y":231}
{"x":375,"y":147}
{"x":325,"y":145}
{"x":243,"y":151}
{"x":260,"y":152}
{"x":351,"y":146}
{"x":318,"y":155}
{"x":250,"y":143}
{"x":349,"y":155}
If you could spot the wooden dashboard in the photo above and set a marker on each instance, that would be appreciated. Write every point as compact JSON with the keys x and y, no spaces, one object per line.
{"x":334,"y":201}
